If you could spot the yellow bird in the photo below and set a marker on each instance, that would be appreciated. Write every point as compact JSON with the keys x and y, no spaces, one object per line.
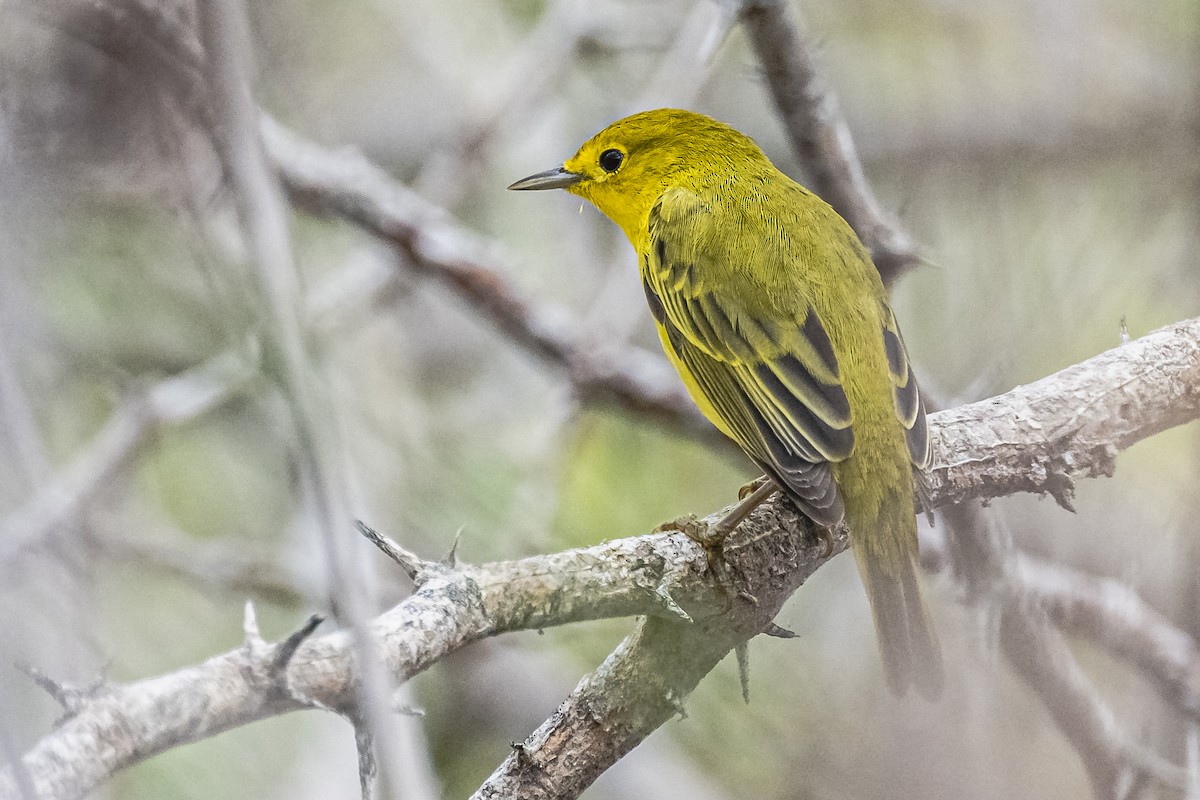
{"x":769,"y":307}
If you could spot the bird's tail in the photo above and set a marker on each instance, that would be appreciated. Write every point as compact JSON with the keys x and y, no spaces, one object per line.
{"x":884,"y":539}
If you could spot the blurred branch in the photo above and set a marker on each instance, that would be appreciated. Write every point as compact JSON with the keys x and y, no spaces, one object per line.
{"x":686,"y":65}
{"x":265,"y":217}
{"x":212,"y":567}
{"x":820,"y":135}
{"x":659,"y":575}
{"x":1116,"y":617}
{"x":984,"y":560}
{"x":1104,"y":611}
{"x":1037,"y":653}
{"x":177,"y":399}
{"x":431,"y":243}
{"x":539,"y":64}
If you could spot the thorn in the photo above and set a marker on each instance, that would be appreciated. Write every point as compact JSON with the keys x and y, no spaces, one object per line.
{"x":368,"y":766}
{"x":521,"y":752}
{"x":412,"y":565}
{"x":450,"y":560}
{"x":283,"y":656}
{"x":1060,"y":486}
{"x":72,"y":698}
{"x":676,"y":703}
{"x":47,"y":684}
{"x":252,"y":637}
{"x":742,"y":651}
{"x":779,"y":633}
{"x":666,"y":601}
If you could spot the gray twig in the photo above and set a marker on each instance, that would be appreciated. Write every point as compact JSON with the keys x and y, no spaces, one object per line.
{"x":263,"y":213}
{"x":178,"y":398}
{"x":1114,"y":616}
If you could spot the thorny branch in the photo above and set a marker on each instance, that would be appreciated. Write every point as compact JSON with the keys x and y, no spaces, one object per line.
{"x":657,"y":574}
{"x":1125,"y":624}
{"x":1043,"y":468}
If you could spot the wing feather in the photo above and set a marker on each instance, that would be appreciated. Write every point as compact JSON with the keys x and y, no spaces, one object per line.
{"x":776,"y":384}
{"x":910,"y":406}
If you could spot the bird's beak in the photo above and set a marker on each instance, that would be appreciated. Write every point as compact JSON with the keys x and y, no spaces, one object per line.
{"x":557,"y":178}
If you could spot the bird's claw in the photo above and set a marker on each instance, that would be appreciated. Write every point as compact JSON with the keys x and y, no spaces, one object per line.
{"x":702,"y":533}
{"x":825,"y":536}
{"x":751,"y":487}
{"x":712,"y":539}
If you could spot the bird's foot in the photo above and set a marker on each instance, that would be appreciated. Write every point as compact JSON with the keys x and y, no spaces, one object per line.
{"x":711,"y":537}
{"x":690,"y":526}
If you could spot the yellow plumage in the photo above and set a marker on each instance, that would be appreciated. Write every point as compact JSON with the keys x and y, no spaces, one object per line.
{"x":770,"y":309}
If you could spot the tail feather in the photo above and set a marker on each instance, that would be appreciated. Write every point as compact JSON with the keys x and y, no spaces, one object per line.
{"x":885,"y":547}
{"x":908,"y":642}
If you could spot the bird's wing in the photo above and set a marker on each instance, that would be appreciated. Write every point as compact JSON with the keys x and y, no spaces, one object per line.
{"x":775,"y":382}
{"x":910,"y":407}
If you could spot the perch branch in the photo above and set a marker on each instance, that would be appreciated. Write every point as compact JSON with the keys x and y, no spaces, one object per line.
{"x":631,"y":576}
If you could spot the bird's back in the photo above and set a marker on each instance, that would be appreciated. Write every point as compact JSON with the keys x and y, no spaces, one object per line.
{"x":766,"y":256}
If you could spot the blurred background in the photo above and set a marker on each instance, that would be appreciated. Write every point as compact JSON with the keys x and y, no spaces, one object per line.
{"x":1044,"y":152}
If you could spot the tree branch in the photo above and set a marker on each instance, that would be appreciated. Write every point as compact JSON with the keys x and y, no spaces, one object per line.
{"x":642,"y":684}
{"x":774,"y":552}
{"x":820,"y":136}
{"x":1114,"y":616}
{"x":427,"y":240}
{"x":1040,"y":437}
{"x":179,"y":398}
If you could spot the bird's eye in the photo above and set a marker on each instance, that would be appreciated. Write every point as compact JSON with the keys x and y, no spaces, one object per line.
{"x":610,"y":160}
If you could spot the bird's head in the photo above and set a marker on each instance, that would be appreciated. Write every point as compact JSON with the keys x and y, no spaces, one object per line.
{"x":626,"y":167}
